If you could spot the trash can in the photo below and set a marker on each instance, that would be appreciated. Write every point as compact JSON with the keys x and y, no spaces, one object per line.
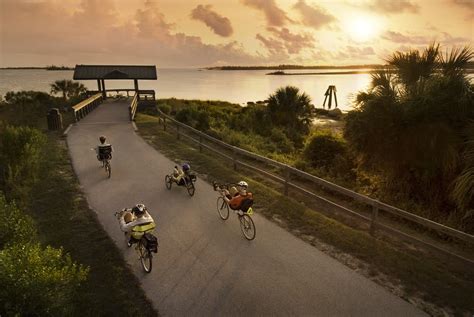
{"x":55,"y":120}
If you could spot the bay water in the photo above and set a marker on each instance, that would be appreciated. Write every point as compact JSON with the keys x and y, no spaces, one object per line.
{"x":236,"y":86}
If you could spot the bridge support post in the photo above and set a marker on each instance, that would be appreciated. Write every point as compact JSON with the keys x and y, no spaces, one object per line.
{"x":104,"y":93}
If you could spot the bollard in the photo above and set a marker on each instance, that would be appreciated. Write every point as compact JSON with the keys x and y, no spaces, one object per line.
{"x":55,"y":120}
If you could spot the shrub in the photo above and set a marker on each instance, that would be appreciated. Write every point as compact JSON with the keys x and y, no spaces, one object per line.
{"x":14,"y":225}
{"x":165,"y":108}
{"x":38,"y":281}
{"x":322,"y":149}
{"x":283,"y":144}
{"x":20,"y":157}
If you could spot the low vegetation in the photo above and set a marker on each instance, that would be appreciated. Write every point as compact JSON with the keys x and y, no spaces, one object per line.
{"x":415,"y":278}
{"x":407,"y":143}
{"x":53,"y":272}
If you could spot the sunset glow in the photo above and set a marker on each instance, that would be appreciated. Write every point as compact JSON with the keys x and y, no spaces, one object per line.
{"x":192,"y":33}
{"x":362,"y":29}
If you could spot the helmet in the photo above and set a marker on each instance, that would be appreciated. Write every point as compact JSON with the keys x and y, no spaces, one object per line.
{"x":243,"y":184}
{"x":186,"y":167}
{"x":102,"y":139}
{"x":139,"y":209}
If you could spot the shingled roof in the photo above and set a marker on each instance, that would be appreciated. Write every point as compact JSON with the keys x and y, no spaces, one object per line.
{"x":84,"y":72}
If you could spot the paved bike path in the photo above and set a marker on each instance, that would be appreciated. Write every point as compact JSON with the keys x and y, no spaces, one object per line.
{"x":205,"y":266}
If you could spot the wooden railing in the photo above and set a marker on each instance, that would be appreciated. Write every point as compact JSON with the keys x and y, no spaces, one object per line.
{"x":86,"y":106}
{"x":132,"y":109}
{"x":285,"y":177}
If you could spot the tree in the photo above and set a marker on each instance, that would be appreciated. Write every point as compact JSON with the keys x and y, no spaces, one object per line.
{"x":292,"y":110}
{"x":410,"y":125}
{"x":67,"y":88}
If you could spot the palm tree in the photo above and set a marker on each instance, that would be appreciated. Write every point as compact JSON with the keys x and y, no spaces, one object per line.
{"x":68,"y":88}
{"x":409,"y":127}
{"x":290,"y":107}
{"x":413,"y":68}
{"x":77,"y":89}
{"x":62,"y":86}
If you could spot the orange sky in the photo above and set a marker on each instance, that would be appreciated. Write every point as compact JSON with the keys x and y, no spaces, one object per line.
{"x":196,"y":33}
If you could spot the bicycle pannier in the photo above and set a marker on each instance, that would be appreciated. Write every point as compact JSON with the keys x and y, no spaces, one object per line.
{"x":151,"y":242}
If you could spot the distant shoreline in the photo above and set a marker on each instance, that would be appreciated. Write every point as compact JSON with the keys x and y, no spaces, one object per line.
{"x":45,"y":68}
{"x":350,"y":72}
{"x":296,"y":67}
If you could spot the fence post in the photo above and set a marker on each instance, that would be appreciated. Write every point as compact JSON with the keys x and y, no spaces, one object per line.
{"x":234,"y":158}
{"x":287,"y":179}
{"x":375,"y":213}
{"x":177,"y":131}
{"x":200,"y":143}
{"x":164,"y":123}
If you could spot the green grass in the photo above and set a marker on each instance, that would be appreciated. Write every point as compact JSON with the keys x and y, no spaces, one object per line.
{"x":447,"y":286}
{"x":63,"y":218}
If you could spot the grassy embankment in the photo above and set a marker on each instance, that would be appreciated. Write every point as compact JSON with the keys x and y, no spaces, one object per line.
{"x":406,"y":273}
{"x":57,"y":202}
{"x":63,"y":219}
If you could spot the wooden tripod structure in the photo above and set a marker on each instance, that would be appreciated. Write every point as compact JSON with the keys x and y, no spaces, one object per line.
{"x":329,"y":92}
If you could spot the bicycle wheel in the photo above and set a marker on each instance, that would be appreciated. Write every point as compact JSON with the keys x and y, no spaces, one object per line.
{"x":145,"y":257}
{"x":190,"y":187}
{"x":168,"y":181}
{"x":108,"y":169}
{"x":247,"y":226}
{"x":222,"y":208}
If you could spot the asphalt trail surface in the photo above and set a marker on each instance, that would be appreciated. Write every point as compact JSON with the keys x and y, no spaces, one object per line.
{"x":204,"y":265}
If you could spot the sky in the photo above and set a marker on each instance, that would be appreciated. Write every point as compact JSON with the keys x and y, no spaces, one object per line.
{"x":203,"y":33}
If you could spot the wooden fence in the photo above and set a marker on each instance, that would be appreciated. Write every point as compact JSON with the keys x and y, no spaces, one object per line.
{"x":287,"y":172}
{"x":84,"y":107}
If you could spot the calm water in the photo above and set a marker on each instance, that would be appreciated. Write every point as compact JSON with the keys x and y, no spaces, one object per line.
{"x":233,"y":86}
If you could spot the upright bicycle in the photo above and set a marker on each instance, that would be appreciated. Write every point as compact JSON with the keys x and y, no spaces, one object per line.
{"x":247,"y":225}
{"x":145,"y":247}
{"x":106,"y":166}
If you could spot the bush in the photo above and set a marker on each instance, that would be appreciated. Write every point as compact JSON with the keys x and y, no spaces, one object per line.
{"x":38,"y":281}
{"x":165,"y":108}
{"x":15,"y":227}
{"x":323,"y":148}
{"x":283,"y":144}
{"x":20,"y":157}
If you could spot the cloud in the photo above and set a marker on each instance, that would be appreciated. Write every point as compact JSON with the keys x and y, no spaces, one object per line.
{"x":469,"y":4}
{"x":219,"y":24}
{"x":354,"y":53}
{"x":49,"y":32}
{"x":274,"y":15}
{"x":398,"y":37}
{"x":294,"y":43}
{"x":393,"y":6}
{"x":443,"y":38}
{"x":275,"y":47}
{"x":313,"y":16}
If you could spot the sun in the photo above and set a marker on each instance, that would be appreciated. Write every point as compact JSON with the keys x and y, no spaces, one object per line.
{"x":362,"y":29}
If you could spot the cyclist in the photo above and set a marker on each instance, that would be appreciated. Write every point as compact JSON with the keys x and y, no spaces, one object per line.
{"x":238,"y":199}
{"x":103,"y":150}
{"x":136,"y":222}
{"x":179,"y":173}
